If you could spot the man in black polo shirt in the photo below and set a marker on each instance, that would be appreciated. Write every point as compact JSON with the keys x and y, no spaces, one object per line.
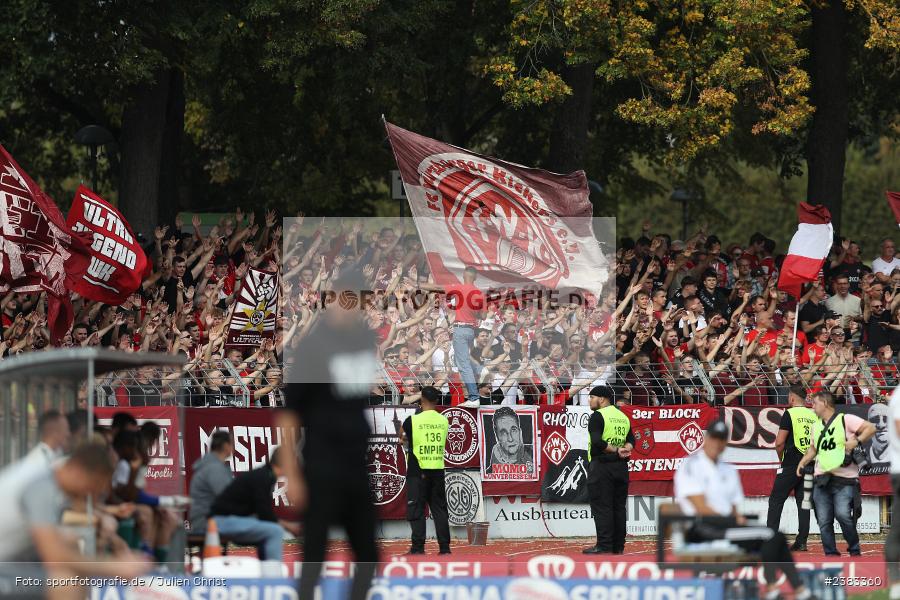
{"x":244,"y":511}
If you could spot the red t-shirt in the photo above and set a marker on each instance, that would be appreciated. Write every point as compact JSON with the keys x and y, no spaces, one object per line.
{"x":467,"y":302}
{"x":769,"y":337}
{"x":818,"y":349}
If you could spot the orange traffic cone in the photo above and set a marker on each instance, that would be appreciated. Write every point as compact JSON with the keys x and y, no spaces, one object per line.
{"x":211,"y":545}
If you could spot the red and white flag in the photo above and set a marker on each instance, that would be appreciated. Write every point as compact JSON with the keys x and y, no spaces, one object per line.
{"x":893,"y":199}
{"x":118,"y":264}
{"x":516,"y":225}
{"x":38,"y":252}
{"x":808,"y":250}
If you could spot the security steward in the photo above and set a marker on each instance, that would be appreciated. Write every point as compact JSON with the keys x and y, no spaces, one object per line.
{"x":426,"y":435}
{"x":791,"y":443}
{"x":610,"y":442}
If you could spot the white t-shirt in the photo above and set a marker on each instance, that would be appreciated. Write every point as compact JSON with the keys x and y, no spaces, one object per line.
{"x":718,"y":482}
{"x":510,"y":394}
{"x":30,"y":497}
{"x":893,"y":437}
{"x":879,"y":265}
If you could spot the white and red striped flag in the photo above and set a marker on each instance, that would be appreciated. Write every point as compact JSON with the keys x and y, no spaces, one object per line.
{"x":516,"y":225}
{"x":809,"y":248}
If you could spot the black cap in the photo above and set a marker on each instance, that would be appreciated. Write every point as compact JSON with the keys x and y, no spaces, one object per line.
{"x":718,"y":429}
{"x":603,"y":391}
{"x":830,"y":314}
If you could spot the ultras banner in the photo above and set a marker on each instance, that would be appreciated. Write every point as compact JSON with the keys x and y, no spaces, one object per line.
{"x":255,"y":311}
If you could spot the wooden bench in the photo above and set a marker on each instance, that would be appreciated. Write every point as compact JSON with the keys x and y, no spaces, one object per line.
{"x":671,"y":515}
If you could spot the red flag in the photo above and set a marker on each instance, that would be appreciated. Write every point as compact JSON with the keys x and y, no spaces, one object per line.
{"x":118,"y":263}
{"x":893,"y":199}
{"x":808,"y":250}
{"x":514,"y":224}
{"x":38,"y":253}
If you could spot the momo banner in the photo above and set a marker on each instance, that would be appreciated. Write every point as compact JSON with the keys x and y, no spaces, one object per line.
{"x":164,"y":475}
{"x":118,"y":264}
{"x":508,"y":441}
{"x":255,"y":311}
{"x":255,"y":437}
{"x":515,"y":225}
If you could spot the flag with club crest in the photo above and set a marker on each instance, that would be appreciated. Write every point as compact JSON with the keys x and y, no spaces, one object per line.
{"x":255,"y":310}
{"x":39,"y":253}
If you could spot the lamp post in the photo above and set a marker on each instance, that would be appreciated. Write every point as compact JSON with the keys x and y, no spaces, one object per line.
{"x":684,"y":196}
{"x":93,"y":136}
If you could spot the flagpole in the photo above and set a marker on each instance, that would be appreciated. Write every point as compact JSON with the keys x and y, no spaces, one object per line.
{"x":794,"y":339}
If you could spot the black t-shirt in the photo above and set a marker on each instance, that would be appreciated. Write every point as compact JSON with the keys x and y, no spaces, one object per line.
{"x":223,"y":396}
{"x":329,"y":383}
{"x":144,"y":394}
{"x":853,"y":272}
{"x":170,"y":292}
{"x":812,"y":312}
{"x":878,"y":335}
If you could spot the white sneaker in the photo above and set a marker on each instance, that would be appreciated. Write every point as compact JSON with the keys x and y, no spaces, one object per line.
{"x":470,"y":404}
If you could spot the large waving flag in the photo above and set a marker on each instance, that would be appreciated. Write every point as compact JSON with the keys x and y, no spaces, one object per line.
{"x":809,"y":248}
{"x":38,"y":252}
{"x":516,"y":225}
{"x":118,"y":263}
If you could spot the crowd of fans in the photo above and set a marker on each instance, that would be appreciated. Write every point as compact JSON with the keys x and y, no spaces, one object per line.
{"x":681,"y":321}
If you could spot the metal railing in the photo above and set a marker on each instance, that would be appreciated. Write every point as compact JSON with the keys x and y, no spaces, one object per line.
{"x":219,"y":383}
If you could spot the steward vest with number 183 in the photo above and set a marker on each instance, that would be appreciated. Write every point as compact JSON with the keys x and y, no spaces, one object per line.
{"x":830,"y":443}
{"x":802,"y":421}
{"x":429,"y":433}
{"x":615,"y":427}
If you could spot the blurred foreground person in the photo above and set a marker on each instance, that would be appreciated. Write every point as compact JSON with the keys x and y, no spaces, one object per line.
{"x":32,"y":542}
{"x":708,"y":487}
{"x":327,"y":392}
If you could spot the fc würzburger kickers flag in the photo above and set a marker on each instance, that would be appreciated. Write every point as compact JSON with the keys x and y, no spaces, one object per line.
{"x":516,"y":225}
{"x":118,"y":264}
{"x":808,"y":250}
{"x":254,"y":315}
{"x":37,"y":252}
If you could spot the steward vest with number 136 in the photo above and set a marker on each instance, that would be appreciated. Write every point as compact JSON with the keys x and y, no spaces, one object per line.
{"x":615,"y":427}
{"x":830,"y":443}
{"x":802,"y":422}
{"x":429,"y":435}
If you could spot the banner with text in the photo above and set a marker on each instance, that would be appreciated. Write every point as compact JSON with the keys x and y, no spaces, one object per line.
{"x":118,"y":264}
{"x":254,"y":435}
{"x":164,"y":471}
{"x":255,"y":311}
